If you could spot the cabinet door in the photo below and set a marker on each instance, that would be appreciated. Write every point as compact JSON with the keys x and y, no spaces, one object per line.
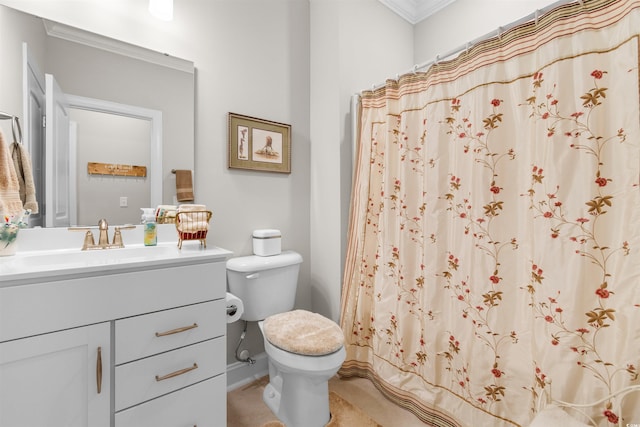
{"x":57,"y":379}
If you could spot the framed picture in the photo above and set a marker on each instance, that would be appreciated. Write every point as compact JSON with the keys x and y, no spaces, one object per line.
{"x":259,"y":144}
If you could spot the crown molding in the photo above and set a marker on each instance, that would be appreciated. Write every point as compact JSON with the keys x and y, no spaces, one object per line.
{"x":415,"y":11}
{"x":65,"y":32}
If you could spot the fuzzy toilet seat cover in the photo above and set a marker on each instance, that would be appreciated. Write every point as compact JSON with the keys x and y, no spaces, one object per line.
{"x":303,"y":332}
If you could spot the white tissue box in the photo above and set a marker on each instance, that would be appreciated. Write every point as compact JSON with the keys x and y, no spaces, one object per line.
{"x":267,"y":242}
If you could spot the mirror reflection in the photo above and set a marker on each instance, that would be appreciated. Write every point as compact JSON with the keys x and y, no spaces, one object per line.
{"x":150,"y":125}
{"x":105,"y":136}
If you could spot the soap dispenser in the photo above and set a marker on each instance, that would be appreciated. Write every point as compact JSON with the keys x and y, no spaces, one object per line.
{"x":149,"y":226}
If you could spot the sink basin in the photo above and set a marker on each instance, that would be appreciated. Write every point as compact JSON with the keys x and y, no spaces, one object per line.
{"x":35,"y":266}
{"x":67,"y":258}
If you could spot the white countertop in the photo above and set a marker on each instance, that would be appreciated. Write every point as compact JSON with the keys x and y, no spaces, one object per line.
{"x":55,"y":254}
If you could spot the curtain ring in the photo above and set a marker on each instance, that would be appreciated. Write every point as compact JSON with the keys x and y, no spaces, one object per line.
{"x":437,"y":60}
{"x":415,"y":69}
{"x":468,"y":47}
{"x":537,"y":15}
{"x":499,"y":32}
{"x":581,"y":2}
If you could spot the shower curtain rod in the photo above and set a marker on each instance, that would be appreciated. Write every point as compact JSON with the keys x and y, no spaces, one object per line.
{"x":501,"y":30}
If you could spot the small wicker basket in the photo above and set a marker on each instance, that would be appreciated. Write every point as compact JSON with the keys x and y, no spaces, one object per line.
{"x":192,"y":225}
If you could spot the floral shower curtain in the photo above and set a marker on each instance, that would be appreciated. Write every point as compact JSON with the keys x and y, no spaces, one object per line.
{"x":494,"y":242}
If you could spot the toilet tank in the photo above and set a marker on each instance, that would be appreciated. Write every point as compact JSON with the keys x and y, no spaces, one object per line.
{"x":266,"y":285}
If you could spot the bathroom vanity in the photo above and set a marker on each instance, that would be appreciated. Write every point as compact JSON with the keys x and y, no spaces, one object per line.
{"x":113,"y":338}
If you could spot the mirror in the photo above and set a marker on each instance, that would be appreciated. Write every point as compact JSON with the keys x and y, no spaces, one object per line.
{"x":90,"y":67}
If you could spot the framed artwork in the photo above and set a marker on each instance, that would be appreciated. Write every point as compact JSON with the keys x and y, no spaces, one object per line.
{"x":259,"y":144}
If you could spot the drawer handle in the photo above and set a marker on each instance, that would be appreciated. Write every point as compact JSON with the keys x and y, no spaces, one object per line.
{"x":99,"y":370}
{"x":176,"y":331}
{"x":176,"y":373}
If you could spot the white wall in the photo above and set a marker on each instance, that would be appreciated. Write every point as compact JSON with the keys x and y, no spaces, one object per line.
{"x":466,"y":20}
{"x":354,"y":44}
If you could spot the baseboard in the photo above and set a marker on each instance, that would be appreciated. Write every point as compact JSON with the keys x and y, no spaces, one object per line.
{"x":241,"y":373}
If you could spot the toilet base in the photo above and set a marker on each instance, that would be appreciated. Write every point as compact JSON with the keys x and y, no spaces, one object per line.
{"x":298,"y":389}
{"x":307,"y":401}
{"x":271,"y":398}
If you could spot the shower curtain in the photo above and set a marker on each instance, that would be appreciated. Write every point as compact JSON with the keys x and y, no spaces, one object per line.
{"x":494,"y":241}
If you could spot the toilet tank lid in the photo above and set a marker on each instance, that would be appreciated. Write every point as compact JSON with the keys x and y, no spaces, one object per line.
{"x":266,"y":233}
{"x":252,"y":263}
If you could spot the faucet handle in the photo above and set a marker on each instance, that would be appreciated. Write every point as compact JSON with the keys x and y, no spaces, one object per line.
{"x":125,"y":227}
{"x":117,"y":235}
{"x":103,"y":224}
{"x":80,"y":228}
{"x":117,"y":238}
{"x":89,"y":242}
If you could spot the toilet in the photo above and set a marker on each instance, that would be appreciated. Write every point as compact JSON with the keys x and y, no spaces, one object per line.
{"x":304,"y":349}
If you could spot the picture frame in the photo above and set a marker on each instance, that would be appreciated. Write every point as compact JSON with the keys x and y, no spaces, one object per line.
{"x":258,"y":144}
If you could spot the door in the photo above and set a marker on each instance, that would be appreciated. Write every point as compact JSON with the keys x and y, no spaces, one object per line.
{"x":57,"y":379}
{"x":57,"y":165}
{"x":34,"y":105}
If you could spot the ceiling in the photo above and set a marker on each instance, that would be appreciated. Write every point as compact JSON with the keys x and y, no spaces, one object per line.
{"x":415,"y":11}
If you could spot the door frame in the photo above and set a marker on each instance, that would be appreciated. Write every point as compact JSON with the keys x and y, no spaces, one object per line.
{"x":33,"y":82}
{"x":155,"y":142}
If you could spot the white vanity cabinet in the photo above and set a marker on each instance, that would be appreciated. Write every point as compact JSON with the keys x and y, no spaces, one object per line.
{"x":168,"y":366}
{"x":130,"y":344}
{"x":57,"y":379}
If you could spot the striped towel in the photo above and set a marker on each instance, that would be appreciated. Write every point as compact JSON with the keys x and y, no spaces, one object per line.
{"x":184,"y":185}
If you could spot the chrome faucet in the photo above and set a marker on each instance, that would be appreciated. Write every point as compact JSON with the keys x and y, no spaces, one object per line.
{"x":103,"y":237}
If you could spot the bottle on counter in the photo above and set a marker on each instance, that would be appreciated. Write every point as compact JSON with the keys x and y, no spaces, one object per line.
{"x":149,"y":227}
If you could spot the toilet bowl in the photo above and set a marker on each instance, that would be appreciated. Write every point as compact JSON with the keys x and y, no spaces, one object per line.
{"x":298,"y":389}
{"x":304,"y":349}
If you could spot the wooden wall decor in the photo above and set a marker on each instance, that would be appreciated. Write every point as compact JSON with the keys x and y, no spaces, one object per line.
{"x":94,"y":168}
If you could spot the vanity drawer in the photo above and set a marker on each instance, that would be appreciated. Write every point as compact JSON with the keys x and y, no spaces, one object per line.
{"x":199,"y":405}
{"x":149,"y":334}
{"x":148,"y":378}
